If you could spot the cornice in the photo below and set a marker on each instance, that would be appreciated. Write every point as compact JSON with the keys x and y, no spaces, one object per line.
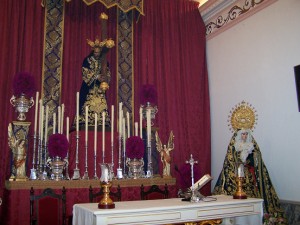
{"x":219,"y":15}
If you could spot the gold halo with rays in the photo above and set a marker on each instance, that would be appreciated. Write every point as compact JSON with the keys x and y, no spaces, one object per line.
{"x":242,"y":116}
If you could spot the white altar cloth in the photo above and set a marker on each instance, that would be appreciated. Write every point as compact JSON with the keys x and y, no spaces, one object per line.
{"x":165,"y":211}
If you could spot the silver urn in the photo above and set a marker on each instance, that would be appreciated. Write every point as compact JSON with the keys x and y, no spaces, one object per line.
{"x":21,"y":104}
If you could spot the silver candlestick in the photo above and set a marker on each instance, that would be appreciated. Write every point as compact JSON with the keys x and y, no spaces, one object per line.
{"x":119,"y":170}
{"x":95,"y":164}
{"x":86,"y":173}
{"x":76,"y":175}
{"x":43,"y":173}
{"x":67,"y":177}
{"x":33,"y":175}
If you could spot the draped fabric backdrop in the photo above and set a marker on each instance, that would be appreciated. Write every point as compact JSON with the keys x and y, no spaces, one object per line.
{"x":169,"y":52}
{"x":169,"y":48}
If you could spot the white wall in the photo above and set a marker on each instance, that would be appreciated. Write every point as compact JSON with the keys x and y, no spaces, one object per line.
{"x":254,"y":61}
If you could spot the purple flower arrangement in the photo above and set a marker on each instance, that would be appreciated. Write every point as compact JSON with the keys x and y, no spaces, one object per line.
{"x":58,"y":145}
{"x":135,"y":147}
{"x":148,"y":94}
{"x":23,"y":83}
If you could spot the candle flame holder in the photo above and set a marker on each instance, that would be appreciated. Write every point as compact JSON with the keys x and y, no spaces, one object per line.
{"x":240,"y":194}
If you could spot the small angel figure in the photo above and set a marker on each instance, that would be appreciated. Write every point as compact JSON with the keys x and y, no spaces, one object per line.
{"x":18,"y":148}
{"x":165,"y":153}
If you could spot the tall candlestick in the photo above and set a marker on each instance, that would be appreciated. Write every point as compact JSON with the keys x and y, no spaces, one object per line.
{"x":59,"y":119}
{"x":112,"y":124}
{"x":141,"y":122}
{"x":46,"y":124}
{"x":103,"y":135}
{"x":128,"y":125}
{"x":77,"y":112}
{"x":54,"y":122}
{"x":62,"y":118}
{"x":136,"y":128}
{"x":86,"y":124}
{"x":36,"y":112}
{"x":95,"y":138}
{"x":67,"y":127}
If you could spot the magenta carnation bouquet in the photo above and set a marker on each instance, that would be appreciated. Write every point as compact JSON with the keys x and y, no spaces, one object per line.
{"x":135,"y":147}
{"x":58,"y":145}
{"x":148,"y":94}
{"x":23,"y":83}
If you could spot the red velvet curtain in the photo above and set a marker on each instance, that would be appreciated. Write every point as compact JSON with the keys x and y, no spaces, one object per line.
{"x":170,"y":53}
{"x":21,"y":44}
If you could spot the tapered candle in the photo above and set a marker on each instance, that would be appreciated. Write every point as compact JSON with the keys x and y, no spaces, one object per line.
{"x":95,"y":137}
{"x":77,"y":112}
{"x":141,"y":122}
{"x":54,"y":123}
{"x":40,"y":118}
{"x":36,"y":112}
{"x":120,"y":118}
{"x":124,"y":130}
{"x":112,"y":125}
{"x":86,"y":124}
{"x":136,"y":128}
{"x":148,"y":125}
{"x":58,"y":119}
{"x":62,"y":118}
{"x":67,"y":127}
{"x":128,"y":126}
{"x":42,"y":123}
{"x":46,"y":124}
{"x":103,"y":134}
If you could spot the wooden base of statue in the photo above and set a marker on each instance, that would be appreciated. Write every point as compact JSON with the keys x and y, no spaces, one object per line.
{"x":106,"y":202}
{"x":240,"y":194}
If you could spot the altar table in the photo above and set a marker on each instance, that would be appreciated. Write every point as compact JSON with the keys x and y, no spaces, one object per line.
{"x":170,"y":211}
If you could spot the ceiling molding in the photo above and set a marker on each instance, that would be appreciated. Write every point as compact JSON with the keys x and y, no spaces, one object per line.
{"x":219,"y":15}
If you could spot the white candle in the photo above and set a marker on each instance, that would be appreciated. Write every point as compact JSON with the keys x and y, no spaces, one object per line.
{"x":95,"y":137}
{"x":36,"y":112}
{"x":241,"y":170}
{"x":40,"y":118}
{"x":141,"y":122}
{"x":42,"y":123}
{"x":58,"y":119}
{"x":120,"y":118}
{"x":46,"y":124}
{"x":86,"y":124}
{"x":103,"y":133}
{"x":54,"y":122}
{"x":148,"y":125}
{"x":77,"y":112}
{"x":62,"y":118}
{"x":136,"y":126}
{"x":128,"y":125}
{"x":112,"y":125}
{"x":67,"y":127}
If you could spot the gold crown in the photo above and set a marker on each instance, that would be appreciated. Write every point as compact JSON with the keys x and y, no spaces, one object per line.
{"x":243,"y":116}
{"x":97,"y":43}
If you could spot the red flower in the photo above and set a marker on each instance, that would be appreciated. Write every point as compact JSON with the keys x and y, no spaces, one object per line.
{"x":58,"y":145}
{"x":135,"y":147}
{"x":23,"y":83}
{"x":148,"y":94}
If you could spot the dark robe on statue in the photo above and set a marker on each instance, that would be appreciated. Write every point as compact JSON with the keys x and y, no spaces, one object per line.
{"x":257,"y":182}
{"x":91,"y":93}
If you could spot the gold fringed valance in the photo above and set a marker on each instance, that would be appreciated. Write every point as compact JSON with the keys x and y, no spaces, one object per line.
{"x":124,"y":5}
